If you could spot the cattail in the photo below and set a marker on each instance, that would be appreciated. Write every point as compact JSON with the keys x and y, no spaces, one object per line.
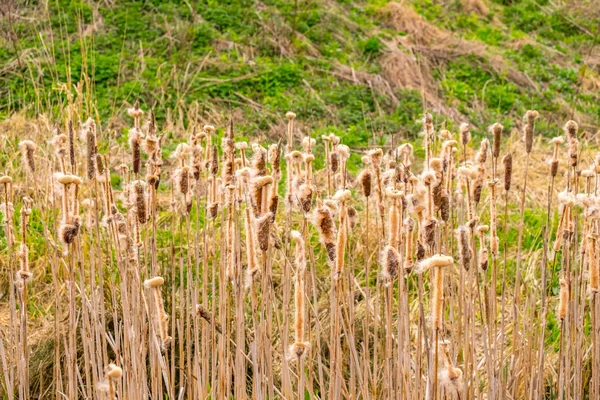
{"x":139,"y":200}
{"x":444,"y":204}
{"x":481,"y":155}
{"x":450,"y":379}
{"x":323,"y":220}
{"x":262,"y":228}
{"x":88,"y":133}
{"x":557,"y":141}
{"x":435,"y":261}
{"x":409,"y":227}
{"x":390,"y":263}
{"x":342,"y":196}
{"x":112,"y":373}
{"x":28,"y":151}
{"x":483,"y":252}
{"x":571,"y":129}
{"x":72,"y":146}
{"x":507,"y":161}
{"x":183,"y":180}
{"x":214,"y":161}
{"x":496,"y":130}
{"x":593,"y":263}
{"x":334,"y":161}
{"x":465,"y":133}
{"x":135,"y":139}
{"x":563,"y":299}
{"x":438,"y":289}
{"x":59,"y":144}
{"x":300,"y":347}
{"x":290,"y":116}
{"x":478,"y":183}
{"x":573,"y":152}
{"x":275,"y":159}
{"x":68,"y":231}
{"x":464,"y":247}
{"x":530,"y":116}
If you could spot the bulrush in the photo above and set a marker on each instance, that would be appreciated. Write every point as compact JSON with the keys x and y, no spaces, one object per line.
{"x":112,"y":374}
{"x":449,"y":377}
{"x":88,"y":133}
{"x":437,"y":264}
{"x":482,"y":258}
{"x":364,"y":178}
{"x":556,"y":142}
{"x":465,"y":133}
{"x":138,"y":193}
{"x":300,"y":347}
{"x":570,"y":129}
{"x":507,"y":161}
{"x":342,"y":196}
{"x":592,"y":256}
{"x":323,"y":220}
{"x":528,"y":129}
{"x":162,"y":317}
{"x":135,"y":142}
{"x":496,"y":130}
{"x":409,"y":228}
{"x":464,"y":246}
{"x":28,"y":153}
{"x":563,"y":302}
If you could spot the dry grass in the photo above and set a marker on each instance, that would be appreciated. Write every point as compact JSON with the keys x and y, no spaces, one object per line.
{"x":197,"y":276}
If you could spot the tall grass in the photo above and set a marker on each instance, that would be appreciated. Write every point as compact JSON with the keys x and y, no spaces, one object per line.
{"x":191,"y":277}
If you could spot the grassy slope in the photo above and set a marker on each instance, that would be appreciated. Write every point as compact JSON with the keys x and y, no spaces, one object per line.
{"x":261,"y":59}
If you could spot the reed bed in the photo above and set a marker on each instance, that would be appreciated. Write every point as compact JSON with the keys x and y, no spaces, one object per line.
{"x":242,"y":270}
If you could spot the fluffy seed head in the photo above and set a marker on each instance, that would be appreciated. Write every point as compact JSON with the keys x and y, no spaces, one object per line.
{"x":507,"y":161}
{"x":113,"y":372}
{"x":496,"y":130}
{"x":465,"y":133}
{"x":571,"y":129}
{"x":28,"y":150}
{"x":153,"y":283}
{"x":436,"y":261}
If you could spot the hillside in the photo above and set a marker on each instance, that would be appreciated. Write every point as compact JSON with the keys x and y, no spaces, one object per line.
{"x":362,"y":69}
{"x":352,"y":248}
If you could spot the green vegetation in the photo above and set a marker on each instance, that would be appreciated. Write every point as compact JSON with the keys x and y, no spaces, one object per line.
{"x":264,"y":58}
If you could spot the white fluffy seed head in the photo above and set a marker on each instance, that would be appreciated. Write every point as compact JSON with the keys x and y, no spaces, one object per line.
{"x":155,"y":282}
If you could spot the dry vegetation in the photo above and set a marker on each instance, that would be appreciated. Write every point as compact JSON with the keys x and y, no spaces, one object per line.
{"x":237,"y":270}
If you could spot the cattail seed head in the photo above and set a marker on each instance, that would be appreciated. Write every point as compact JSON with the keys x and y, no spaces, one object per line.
{"x":481,"y":155}
{"x":464,"y":247}
{"x":139,"y":200}
{"x":135,"y":138}
{"x":334,"y":161}
{"x":496,"y":130}
{"x":263,"y":231}
{"x":69,"y":231}
{"x":28,"y":151}
{"x":563,"y":299}
{"x":435,"y":261}
{"x":507,"y":161}
{"x":571,"y":129}
{"x":530,"y":117}
{"x":59,"y":144}
{"x":153,"y":283}
{"x":573,"y":152}
{"x":592,"y":256}
{"x":365,"y":182}
{"x":390,"y":263}
{"x":465,"y":133}
{"x":376,"y":157}
{"x":113,"y":372}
